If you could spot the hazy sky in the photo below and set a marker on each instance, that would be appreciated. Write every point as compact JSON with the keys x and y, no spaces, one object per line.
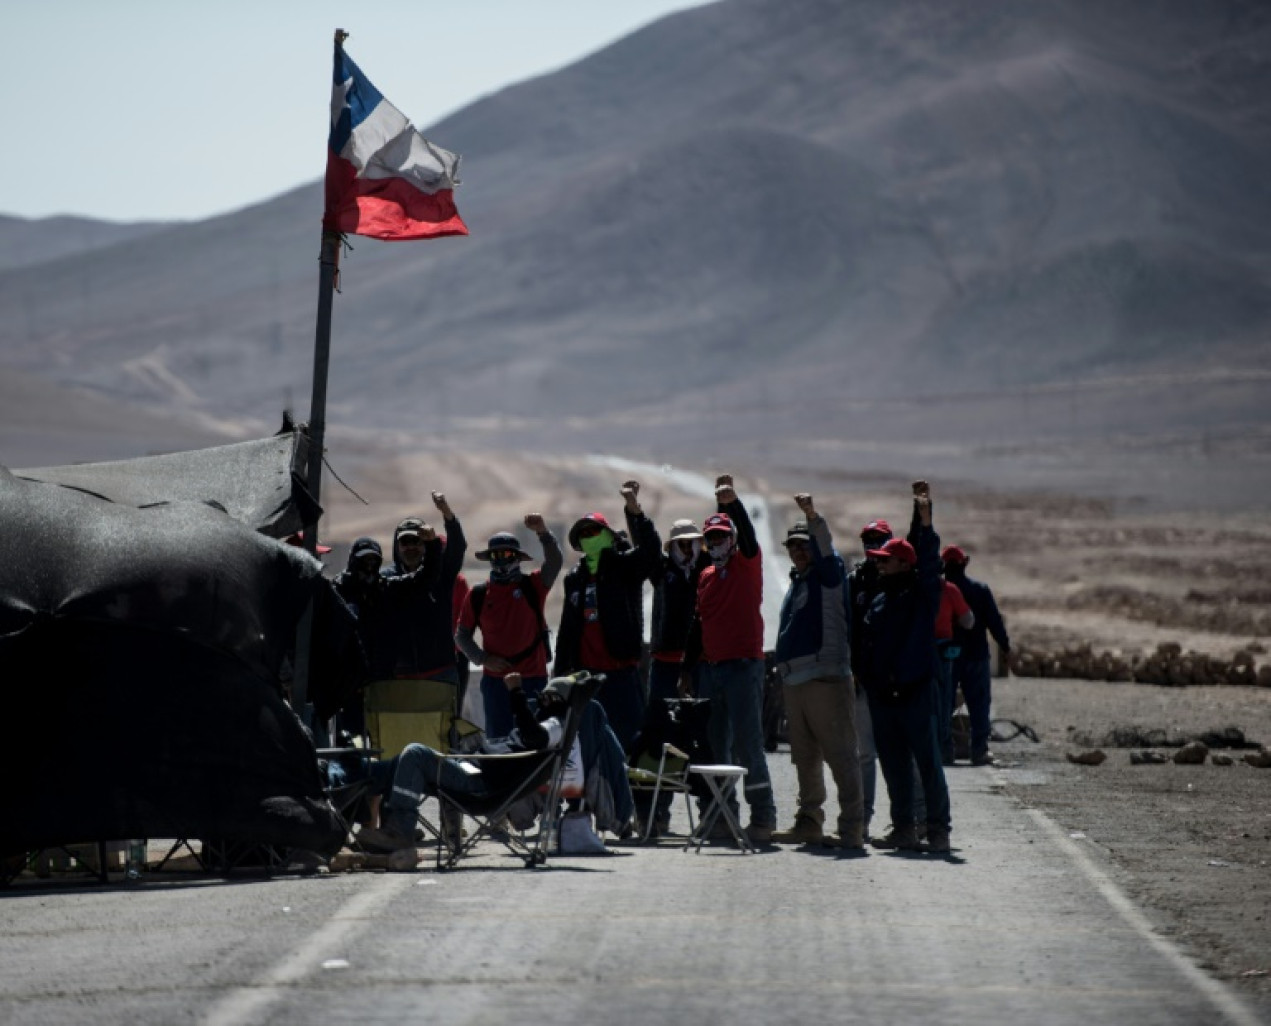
{"x":154,"y":109}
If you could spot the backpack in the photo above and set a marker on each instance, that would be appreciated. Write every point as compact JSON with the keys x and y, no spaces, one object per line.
{"x":477,"y":597}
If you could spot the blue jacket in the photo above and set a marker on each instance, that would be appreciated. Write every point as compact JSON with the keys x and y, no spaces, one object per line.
{"x":899,"y":635}
{"x":974,"y":640}
{"x":813,"y":638}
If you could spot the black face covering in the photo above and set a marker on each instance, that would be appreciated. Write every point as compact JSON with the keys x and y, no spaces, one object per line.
{"x":505,"y":568}
{"x":895,"y":583}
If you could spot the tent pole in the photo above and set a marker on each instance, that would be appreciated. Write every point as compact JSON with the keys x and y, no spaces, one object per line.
{"x":328,"y":265}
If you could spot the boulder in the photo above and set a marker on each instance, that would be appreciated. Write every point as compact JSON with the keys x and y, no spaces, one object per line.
{"x":1091,"y":758}
{"x":1191,"y":754}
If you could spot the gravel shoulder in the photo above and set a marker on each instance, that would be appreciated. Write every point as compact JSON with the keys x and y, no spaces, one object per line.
{"x":1190,"y":843}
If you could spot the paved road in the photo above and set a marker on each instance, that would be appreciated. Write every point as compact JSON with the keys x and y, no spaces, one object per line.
{"x":1019,"y":926}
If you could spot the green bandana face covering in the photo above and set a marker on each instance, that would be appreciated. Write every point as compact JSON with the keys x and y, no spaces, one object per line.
{"x":594,"y":546}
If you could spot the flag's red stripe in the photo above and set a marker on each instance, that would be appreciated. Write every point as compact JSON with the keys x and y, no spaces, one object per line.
{"x":386,"y":208}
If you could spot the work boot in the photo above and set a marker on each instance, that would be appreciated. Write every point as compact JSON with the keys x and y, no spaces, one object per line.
{"x":806,"y":830}
{"x":382,"y":841}
{"x":938,"y":841}
{"x":404,"y":860}
{"x":903,"y":838}
{"x":852,"y":841}
{"x":759,"y":833}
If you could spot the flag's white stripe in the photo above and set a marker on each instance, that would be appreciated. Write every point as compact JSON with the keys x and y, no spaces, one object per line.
{"x":386,"y":145}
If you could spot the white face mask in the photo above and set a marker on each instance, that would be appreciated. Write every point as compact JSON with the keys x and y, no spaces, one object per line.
{"x":720,"y":551}
{"x":682,"y":558}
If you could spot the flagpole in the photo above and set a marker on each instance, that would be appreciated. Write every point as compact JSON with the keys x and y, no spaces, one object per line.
{"x":328,"y":268}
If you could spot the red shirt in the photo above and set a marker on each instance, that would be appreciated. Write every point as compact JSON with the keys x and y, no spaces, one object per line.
{"x":728,"y":600}
{"x":952,"y":607}
{"x":458,"y":596}
{"x":593,"y":651}
{"x":508,"y":624}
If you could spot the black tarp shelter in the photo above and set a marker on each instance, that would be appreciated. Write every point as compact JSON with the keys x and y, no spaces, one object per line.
{"x":144,"y":619}
{"x":259,"y":483}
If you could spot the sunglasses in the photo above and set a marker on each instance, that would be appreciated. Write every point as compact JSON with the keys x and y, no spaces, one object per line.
{"x":589,"y":532}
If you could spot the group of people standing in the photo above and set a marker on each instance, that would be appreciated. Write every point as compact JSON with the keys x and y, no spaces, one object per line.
{"x":863,"y":663}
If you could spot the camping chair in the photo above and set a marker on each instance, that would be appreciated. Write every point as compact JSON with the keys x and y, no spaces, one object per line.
{"x":665,"y":773}
{"x":543,"y":768}
{"x":401,"y":711}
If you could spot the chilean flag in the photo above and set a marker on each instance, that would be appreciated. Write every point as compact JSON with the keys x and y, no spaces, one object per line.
{"x":384,"y":179}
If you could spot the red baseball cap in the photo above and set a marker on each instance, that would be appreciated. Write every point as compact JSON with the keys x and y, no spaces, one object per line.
{"x":876,"y":527}
{"x":897,"y":547}
{"x":591,"y":518}
{"x":955,"y":554}
{"x":717,"y":522}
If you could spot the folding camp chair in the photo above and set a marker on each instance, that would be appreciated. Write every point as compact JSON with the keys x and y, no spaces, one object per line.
{"x":401,"y":711}
{"x":539,"y":769}
{"x":665,"y":774}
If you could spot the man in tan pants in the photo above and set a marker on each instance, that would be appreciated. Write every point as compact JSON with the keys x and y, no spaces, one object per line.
{"x":813,"y":658}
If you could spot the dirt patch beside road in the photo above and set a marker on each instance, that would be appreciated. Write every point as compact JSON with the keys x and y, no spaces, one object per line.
{"x":1192,"y":844}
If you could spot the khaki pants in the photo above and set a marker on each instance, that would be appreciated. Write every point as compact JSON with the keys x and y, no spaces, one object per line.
{"x":822,"y":716}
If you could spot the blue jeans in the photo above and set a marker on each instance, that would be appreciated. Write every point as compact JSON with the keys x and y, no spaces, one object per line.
{"x":498,"y":707}
{"x":905,"y":734}
{"x":622,"y":696}
{"x":735,"y":690}
{"x":421,"y":771}
{"x":975,"y":676}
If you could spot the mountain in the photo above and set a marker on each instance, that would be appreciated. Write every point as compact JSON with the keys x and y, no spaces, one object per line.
{"x":34,"y":240}
{"x":865,"y":219}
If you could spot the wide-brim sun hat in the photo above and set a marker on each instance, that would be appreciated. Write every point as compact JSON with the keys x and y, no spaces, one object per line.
{"x":681,"y":530}
{"x":502,"y":541}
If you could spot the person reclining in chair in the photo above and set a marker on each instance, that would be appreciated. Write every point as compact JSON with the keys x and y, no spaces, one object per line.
{"x":419,"y":770}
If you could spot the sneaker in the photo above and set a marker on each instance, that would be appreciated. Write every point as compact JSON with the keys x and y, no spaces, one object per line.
{"x":382,"y":841}
{"x":805,"y":831}
{"x":901,"y":838}
{"x":938,"y":842}
{"x":984,"y":758}
{"x":758,"y":833}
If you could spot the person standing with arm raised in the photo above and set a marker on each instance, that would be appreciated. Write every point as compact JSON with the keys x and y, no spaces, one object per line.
{"x":602,"y":618}
{"x":508,"y":610}
{"x":813,"y":661}
{"x":725,"y":645}
{"x":899,"y":674}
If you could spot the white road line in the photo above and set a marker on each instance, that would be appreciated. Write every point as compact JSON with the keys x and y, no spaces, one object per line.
{"x":239,"y":1006}
{"x":1220,"y":996}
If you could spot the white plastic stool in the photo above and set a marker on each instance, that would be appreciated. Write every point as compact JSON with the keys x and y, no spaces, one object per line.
{"x":722,"y":781}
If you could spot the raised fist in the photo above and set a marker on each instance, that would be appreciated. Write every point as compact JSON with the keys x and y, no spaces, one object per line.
{"x":804,"y":501}
{"x":724,"y":492}
{"x":439,"y":500}
{"x":536,"y":523}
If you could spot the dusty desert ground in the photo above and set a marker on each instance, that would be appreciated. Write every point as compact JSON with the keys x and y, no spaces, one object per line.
{"x":1191,"y":843}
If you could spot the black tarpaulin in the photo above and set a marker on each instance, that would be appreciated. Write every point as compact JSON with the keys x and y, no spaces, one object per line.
{"x":258,"y":483}
{"x":139,"y":658}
